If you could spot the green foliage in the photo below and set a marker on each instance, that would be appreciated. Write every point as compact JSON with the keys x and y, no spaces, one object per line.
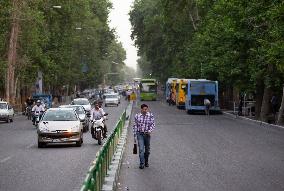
{"x":71,"y":45}
{"x":237,"y":42}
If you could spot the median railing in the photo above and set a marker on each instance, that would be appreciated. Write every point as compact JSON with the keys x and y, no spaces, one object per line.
{"x":98,"y":171}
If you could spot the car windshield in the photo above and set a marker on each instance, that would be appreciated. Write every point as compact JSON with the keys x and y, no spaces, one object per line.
{"x":80,"y":102}
{"x":80,"y":110}
{"x":111,"y":96}
{"x":60,"y":115}
{"x":3,"y":106}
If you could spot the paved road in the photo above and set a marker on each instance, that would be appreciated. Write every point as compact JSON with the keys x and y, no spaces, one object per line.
{"x":200,"y":153}
{"x":24,"y":167}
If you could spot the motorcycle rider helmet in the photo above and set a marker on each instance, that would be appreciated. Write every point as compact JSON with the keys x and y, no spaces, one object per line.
{"x":38,"y":102}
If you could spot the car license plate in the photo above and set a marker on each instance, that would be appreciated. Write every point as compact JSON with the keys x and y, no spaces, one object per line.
{"x":56,"y":140}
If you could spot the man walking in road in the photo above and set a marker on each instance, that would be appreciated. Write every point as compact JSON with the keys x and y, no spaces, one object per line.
{"x":143,"y":126}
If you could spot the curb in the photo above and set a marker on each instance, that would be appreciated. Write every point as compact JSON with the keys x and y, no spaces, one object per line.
{"x":252,"y":121}
{"x":111,"y":179}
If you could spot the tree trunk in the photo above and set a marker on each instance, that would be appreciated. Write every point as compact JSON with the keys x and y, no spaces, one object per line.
{"x":281,"y":110}
{"x":265,"y":107}
{"x":258,"y":97}
{"x":12,"y":54}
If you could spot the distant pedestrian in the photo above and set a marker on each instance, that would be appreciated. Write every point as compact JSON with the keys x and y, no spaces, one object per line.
{"x":143,"y":126}
{"x":207,"y":105}
{"x":128,"y":93}
{"x":241,"y":104}
{"x":274,"y":103}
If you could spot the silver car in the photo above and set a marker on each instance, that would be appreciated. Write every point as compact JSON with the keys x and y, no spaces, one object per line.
{"x":111,"y":99}
{"x":81,"y":113}
{"x":84,"y":102}
{"x":60,"y":125}
{"x":6,"y":112}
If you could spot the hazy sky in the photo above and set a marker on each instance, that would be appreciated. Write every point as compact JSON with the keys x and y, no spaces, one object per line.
{"x":119,"y":19}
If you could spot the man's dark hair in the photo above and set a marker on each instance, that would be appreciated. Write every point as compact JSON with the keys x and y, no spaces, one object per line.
{"x":144,"y":105}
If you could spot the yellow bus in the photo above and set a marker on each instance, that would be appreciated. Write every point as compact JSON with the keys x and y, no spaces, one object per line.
{"x":181,"y":91}
{"x":174,"y":89}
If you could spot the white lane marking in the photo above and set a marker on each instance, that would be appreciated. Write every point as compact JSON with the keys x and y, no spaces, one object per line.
{"x":30,"y":146}
{"x":5,"y":159}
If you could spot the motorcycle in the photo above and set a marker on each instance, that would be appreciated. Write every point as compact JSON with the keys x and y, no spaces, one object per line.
{"x":98,"y":128}
{"x":29,"y":112}
{"x":37,"y":115}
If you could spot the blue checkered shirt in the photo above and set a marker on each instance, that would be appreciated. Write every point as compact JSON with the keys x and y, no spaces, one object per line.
{"x":143,"y":123}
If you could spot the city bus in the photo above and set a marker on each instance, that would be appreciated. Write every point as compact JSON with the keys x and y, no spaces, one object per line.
{"x":148,"y":90}
{"x":197,"y":91}
{"x":181,"y":92}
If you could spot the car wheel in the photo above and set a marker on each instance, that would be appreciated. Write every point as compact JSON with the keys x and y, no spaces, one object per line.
{"x":79,"y":143}
{"x":40,"y":144}
{"x":12,"y":119}
{"x":8,"y":119}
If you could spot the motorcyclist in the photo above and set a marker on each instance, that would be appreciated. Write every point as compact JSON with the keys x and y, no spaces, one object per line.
{"x":29,"y":102}
{"x":37,"y":108}
{"x":97,"y":113}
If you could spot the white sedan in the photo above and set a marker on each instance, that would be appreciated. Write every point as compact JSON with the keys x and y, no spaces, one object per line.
{"x":111,"y":99}
{"x":60,"y":125}
{"x":6,"y":112}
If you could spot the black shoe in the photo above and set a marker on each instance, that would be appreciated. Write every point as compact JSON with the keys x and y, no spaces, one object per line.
{"x":146,"y":164}
{"x":141,"y":166}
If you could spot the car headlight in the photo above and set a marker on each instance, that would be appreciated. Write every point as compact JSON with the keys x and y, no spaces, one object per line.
{"x":43,"y":129}
{"x":74,"y":129}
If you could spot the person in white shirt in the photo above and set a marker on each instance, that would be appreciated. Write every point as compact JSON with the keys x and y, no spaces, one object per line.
{"x":97,"y":113}
{"x":37,"y":108}
{"x":207,"y":105}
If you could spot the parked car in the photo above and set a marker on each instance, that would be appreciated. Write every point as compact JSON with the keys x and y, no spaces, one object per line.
{"x":111,"y":99}
{"x":60,"y":125}
{"x":84,"y":102}
{"x":6,"y":112}
{"x":81,"y":113}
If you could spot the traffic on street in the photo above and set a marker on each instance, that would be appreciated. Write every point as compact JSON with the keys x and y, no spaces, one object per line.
{"x":25,"y":167}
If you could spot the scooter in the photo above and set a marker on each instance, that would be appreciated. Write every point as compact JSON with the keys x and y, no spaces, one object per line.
{"x":98,"y":128}
{"x":37,"y":117}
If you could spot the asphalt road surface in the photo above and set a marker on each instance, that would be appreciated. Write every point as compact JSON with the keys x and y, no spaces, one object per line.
{"x":24,"y":167}
{"x":201,"y":153}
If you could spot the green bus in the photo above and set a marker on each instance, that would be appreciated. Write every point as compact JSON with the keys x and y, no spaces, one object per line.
{"x":148,"y":90}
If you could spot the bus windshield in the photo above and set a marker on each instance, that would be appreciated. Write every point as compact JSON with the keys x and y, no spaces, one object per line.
{"x":149,"y":88}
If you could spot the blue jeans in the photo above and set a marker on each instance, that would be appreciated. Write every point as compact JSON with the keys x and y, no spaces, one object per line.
{"x":144,"y":147}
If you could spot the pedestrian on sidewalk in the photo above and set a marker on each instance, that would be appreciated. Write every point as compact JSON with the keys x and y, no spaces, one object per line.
{"x":241,"y":104}
{"x":274,"y":103}
{"x":143,"y":126}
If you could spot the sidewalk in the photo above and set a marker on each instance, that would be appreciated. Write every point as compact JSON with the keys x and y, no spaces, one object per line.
{"x":251,"y":119}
